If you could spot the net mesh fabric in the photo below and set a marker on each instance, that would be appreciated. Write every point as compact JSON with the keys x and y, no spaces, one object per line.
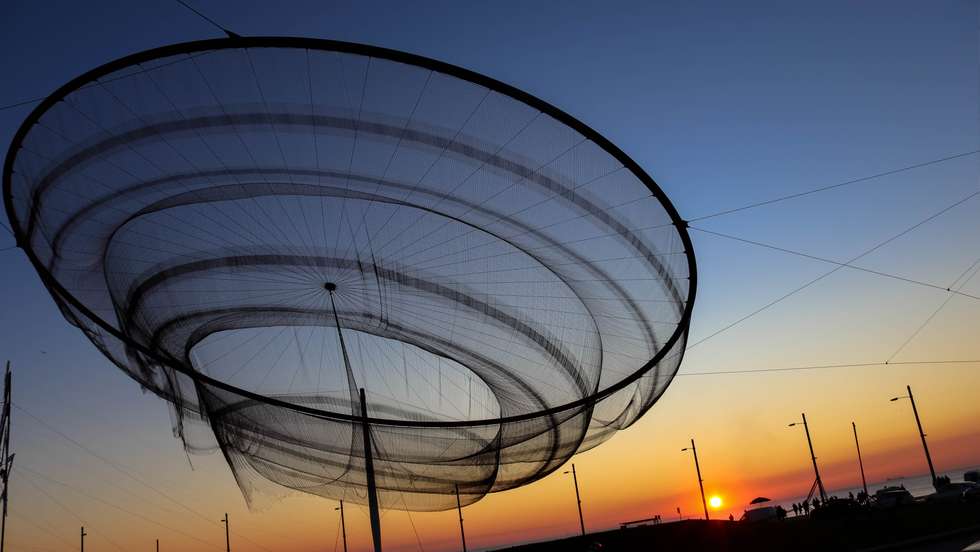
{"x":498,"y":274}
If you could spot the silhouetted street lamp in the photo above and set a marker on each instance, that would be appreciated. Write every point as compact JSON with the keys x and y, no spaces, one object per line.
{"x":864,"y":482}
{"x":343,"y":524}
{"x":922,"y":434}
{"x":581,"y":520}
{"x":809,"y":442}
{"x":227,"y":534}
{"x":697,"y":468}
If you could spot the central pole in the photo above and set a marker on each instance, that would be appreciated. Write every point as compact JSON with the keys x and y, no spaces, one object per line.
{"x":368,"y":453}
{"x":581,"y":520}
{"x":697,"y":467}
{"x":806,"y":428}
{"x":158,"y":545}
{"x":369,"y":472}
{"x":864,"y":482}
{"x":459,"y":507}
{"x":922,"y":435}
{"x":83,"y":534}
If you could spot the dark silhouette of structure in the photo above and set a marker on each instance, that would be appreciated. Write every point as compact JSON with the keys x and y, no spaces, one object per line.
{"x":459,"y":508}
{"x":857,"y":445}
{"x":6,"y":457}
{"x":922,"y":434}
{"x":227,"y":533}
{"x":818,"y":483}
{"x":578,"y":499}
{"x":302,"y":205}
{"x":82,"y":534}
{"x":697,"y":468}
{"x":343,"y":524}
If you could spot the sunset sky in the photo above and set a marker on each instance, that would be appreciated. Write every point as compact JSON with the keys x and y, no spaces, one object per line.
{"x":724,"y":105}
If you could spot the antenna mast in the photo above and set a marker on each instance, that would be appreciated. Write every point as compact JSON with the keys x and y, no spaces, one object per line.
{"x":6,"y":458}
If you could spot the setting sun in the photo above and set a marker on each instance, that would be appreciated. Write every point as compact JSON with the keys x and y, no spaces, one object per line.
{"x":715,"y":502}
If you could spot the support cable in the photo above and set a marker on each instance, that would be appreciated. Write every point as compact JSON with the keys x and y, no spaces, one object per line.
{"x":949,"y":289}
{"x":834,"y":186}
{"x":222,"y":28}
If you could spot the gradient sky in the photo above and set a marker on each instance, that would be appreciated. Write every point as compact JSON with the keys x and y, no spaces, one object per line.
{"x":723,"y":105}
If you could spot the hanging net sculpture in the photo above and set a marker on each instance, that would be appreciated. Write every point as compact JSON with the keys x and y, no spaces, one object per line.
{"x":220,"y":217}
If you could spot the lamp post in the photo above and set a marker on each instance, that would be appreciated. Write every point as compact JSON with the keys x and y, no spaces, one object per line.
{"x":809,"y":442}
{"x":459,"y":507}
{"x":227,"y":534}
{"x":697,"y":467}
{"x":343,"y":524}
{"x":864,"y":482}
{"x":581,"y":520}
{"x":922,"y":435}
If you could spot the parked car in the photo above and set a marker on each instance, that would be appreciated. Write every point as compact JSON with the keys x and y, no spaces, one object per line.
{"x":838,"y":508}
{"x":950,"y":492}
{"x":763,"y":513}
{"x":972,"y":494}
{"x":891,"y":497}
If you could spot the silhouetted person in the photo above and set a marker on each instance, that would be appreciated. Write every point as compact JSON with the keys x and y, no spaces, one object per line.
{"x":780,"y":512}
{"x":731,"y":517}
{"x":796,"y":509}
{"x":806,"y":506}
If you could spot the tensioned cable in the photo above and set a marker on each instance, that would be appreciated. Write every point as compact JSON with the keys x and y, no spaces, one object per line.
{"x":222,"y":28}
{"x":126,"y":76}
{"x":120,"y":469}
{"x":825,"y":274}
{"x":834,"y":186}
{"x":115,"y":506}
{"x":838,"y":263}
{"x":939,"y":308}
{"x":70,"y":511}
{"x":46,"y":530}
{"x":829,"y":366}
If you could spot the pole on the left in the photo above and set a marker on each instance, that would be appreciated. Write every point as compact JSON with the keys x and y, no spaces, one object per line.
{"x":227,"y":534}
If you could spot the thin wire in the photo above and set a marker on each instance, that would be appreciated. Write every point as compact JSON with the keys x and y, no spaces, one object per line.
{"x":412,"y":522}
{"x":22,"y":102}
{"x":825,"y":274}
{"x":834,"y":186}
{"x":42,"y":528}
{"x":126,"y":76}
{"x":115,"y":506}
{"x":936,"y":311}
{"x":831,"y":261}
{"x":829,"y":366}
{"x":121,"y":470}
{"x":61,"y":505}
{"x":208,"y":19}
